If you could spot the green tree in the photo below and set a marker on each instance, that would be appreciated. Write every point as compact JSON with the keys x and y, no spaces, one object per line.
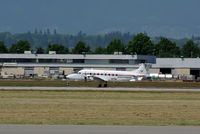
{"x":190,"y":49}
{"x":60,"y":49}
{"x":3,"y":48}
{"x":40,"y":50}
{"x":20,"y":47}
{"x":100,"y":50}
{"x":141,"y":44}
{"x":115,"y":46}
{"x":80,"y":48}
{"x":166,"y":48}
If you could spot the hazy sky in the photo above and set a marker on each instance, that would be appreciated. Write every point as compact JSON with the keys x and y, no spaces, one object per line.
{"x":174,"y":18}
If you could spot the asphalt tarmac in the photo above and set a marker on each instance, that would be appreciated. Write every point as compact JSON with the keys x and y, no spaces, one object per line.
{"x":96,"y":88}
{"x":70,"y":129}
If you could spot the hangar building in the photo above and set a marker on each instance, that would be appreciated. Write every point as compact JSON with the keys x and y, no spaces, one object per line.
{"x":177,"y":66}
{"x":55,"y":65}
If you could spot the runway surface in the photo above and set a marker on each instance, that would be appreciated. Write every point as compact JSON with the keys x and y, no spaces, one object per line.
{"x":96,"y":88}
{"x":70,"y":129}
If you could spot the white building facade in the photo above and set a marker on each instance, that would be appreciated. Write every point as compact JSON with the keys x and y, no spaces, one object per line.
{"x":55,"y":65}
{"x":50,"y":65}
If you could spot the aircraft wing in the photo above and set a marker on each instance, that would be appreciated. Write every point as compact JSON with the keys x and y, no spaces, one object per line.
{"x":100,"y":78}
{"x":136,"y":78}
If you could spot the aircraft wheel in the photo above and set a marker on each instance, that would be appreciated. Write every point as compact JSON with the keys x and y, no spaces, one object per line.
{"x":105,"y":85}
{"x":99,"y":85}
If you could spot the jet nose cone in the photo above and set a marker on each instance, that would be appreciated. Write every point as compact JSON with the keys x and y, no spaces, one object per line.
{"x":70,"y":76}
{"x":74,"y":77}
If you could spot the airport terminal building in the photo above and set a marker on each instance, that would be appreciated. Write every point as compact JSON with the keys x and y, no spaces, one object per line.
{"x":59,"y":65}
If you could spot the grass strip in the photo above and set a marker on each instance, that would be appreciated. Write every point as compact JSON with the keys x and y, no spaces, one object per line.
{"x":100,"y":108}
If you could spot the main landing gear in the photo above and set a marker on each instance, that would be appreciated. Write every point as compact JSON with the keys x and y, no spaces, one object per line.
{"x":103,"y":85}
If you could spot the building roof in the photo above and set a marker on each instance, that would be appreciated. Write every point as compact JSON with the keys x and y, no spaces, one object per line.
{"x":72,"y":56}
{"x":177,"y":63}
{"x":69,"y":65}
{"x":160,"y":62}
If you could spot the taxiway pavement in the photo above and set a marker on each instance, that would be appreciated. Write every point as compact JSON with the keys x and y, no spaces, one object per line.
{"x":96,"y":88}
{"x":76,"y":129}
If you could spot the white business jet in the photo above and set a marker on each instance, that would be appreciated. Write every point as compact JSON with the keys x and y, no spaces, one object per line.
{"x":104,"y":76}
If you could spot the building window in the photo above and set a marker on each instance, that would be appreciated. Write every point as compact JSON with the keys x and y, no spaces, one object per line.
{"x":140,"y":61}
{"x":195,"y":72}
{"x":120,"y":69}
{"x":53,"y":68}
{"x":69,"y":61}
{"x":117,"y":61}
{"x":18,"y":60}
{"x":78,"y":61}
{"x":166,"y":70}
{"x":28,"y":68}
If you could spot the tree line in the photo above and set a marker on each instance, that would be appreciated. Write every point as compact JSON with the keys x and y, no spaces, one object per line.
{"x":140,"y":44}
{"x":45,"y":37}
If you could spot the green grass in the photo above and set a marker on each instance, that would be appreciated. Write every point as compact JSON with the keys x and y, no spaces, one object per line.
{"x":100,"y":108}
{"x":101,"y":122}
{"x":59,"y":83}
{"x":33,"y":83}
